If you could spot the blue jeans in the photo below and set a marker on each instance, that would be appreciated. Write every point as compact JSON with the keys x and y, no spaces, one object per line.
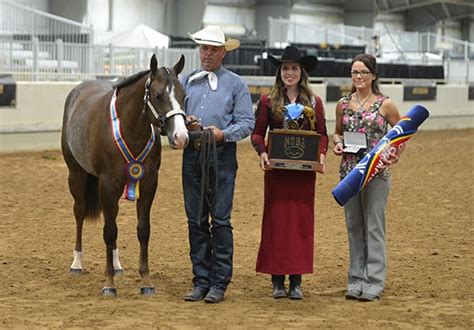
{"x":211,"y":243}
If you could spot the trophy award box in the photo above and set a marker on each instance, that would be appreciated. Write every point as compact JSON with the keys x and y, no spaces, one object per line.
{"x":290,"y":149}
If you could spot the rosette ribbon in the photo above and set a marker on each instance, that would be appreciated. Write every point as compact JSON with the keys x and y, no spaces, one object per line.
{"x":292,"y":112}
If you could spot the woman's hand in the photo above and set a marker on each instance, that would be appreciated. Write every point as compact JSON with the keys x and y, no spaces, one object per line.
{"x":338,"y":149}
{"x":393,"y":155}
{"x":264,"y":162}
{"x":322,"y":161}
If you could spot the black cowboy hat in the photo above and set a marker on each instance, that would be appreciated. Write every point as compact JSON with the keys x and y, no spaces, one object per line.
{"x":292,"y":54}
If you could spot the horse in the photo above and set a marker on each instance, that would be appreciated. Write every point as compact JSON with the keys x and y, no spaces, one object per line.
{"x":108,"y":143}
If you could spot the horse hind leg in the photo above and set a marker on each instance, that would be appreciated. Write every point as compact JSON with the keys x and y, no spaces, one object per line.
{"x":77,"y":186}
{"x":83,"y":188}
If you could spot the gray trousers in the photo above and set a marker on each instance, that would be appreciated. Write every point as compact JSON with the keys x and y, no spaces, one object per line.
{"x":365,"y":219}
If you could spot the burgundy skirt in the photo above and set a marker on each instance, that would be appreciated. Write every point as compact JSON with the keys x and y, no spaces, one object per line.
{"x":287,"y":241}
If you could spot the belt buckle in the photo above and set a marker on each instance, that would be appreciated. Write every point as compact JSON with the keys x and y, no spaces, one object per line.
{"x":197,"y":144}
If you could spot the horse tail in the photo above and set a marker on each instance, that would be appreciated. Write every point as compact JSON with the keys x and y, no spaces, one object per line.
{"x":93,"y":206}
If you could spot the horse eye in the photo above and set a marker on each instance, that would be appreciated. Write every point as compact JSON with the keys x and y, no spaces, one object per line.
{"x":159,"y":95}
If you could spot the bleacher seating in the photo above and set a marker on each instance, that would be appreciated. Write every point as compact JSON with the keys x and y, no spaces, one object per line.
{"x":334,"y":61}
{"x":243,"y":60}
{"x":331,"y":51}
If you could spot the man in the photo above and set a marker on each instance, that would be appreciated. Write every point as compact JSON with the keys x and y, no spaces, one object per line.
{"x":217,"y":101}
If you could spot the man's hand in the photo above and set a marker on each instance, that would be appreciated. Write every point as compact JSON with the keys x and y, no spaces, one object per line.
{"x":218,"y":134}
{"x":192,"y":123}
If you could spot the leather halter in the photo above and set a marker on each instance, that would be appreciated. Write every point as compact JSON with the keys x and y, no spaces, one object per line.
{"x":147,"y":103}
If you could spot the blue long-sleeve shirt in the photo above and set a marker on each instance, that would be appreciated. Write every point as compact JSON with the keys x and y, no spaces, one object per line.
{"x":229,"y":107}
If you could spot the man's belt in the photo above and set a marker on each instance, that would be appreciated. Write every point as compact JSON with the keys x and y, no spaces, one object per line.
{"x":196,"y":137}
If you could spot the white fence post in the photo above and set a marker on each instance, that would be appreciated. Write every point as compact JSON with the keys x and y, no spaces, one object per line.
{"x":466,"y":59}
{"x":91,"y":60}
{"x":111,"y":59}
{"x":35,"y":58}
{"x":60,"y":56}
{"x":270,"y":33}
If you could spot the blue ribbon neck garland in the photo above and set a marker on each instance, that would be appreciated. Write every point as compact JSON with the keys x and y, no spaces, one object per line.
{"x":134,"y":168}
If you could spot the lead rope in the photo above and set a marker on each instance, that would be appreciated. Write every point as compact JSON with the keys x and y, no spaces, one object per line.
{"x":208,"y":149}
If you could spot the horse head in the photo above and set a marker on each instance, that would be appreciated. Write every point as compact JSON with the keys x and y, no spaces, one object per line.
{"x":164,"y":102}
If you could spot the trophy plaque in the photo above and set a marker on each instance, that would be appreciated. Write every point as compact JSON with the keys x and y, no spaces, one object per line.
{"x":294,"y":150}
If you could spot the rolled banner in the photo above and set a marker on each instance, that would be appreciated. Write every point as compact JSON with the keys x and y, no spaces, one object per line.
{"x":371,"y":165}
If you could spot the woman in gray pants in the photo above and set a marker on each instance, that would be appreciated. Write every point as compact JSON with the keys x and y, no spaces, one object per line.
{"x":366,"y":114}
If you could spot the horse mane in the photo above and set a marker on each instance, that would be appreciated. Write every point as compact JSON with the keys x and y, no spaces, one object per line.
{"x":130,"y":80}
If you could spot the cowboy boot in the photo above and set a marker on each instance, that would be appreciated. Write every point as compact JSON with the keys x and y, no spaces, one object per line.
{"x":278,"y":282}
{"x":295,"y":287}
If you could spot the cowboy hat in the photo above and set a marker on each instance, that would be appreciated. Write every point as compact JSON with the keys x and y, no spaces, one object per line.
{"x":292,"y":54}
{"x":214,"y":36}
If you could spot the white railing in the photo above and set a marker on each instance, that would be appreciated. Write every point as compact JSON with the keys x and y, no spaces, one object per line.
{"x":38,"y":46}
{"x":283,"y":31}
{"x":22,"y":23}
{"x":58,"y":61}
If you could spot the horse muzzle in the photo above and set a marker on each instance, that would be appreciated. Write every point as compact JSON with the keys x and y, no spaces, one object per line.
{"x":179,"y":140}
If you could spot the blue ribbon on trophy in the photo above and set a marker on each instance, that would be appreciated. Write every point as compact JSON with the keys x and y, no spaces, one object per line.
{"x":293,"y":112}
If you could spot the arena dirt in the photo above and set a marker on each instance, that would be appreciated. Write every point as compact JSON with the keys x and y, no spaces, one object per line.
{"x":430,"y":249}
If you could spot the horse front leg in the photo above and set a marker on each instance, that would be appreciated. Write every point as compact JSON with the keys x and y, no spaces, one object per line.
{"x":147,"y":194}
{"x":109,"y":198}
{"x":118,"y":269}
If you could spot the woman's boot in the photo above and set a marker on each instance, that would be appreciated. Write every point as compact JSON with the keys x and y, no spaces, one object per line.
{"x":295,"y":287}
{"x":278,"y":282}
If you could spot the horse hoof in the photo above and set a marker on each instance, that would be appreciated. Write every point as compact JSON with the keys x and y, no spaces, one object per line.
{"x":118,"y":272}
{"x":147,"y":290}
{"x":76,"y":271}
{"x":109,"y":292}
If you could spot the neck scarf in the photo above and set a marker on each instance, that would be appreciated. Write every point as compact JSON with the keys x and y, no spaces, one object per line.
{"x":211,"y":76}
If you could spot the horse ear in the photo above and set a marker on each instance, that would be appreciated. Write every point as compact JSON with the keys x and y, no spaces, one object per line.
{"x":178,"y":67}
{"x":153,"y":63}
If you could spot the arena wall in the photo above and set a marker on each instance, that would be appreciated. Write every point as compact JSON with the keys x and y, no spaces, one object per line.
{"x":450,"y":110}
{"x":34,"y":122}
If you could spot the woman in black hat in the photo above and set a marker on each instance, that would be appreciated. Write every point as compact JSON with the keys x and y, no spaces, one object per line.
{"x":287,"y":240}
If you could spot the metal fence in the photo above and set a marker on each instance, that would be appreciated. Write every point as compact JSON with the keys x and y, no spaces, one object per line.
{"x":38,"y":46}
{"x":22,"y":23}
{"x":58,"y":61}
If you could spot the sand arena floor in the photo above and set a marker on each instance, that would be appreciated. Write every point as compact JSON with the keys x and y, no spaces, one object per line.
{"x":430,"y":249}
